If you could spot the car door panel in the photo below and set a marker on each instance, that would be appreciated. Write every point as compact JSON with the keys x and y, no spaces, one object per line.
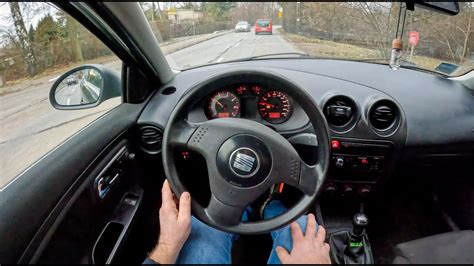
{"x":37,"y":200}
{"x":68,"y":238}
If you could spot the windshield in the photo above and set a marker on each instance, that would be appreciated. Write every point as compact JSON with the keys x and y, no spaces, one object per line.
{"x":199,"y":33}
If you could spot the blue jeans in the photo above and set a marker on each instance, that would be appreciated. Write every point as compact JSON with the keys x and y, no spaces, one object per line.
{"x":208,"y":245}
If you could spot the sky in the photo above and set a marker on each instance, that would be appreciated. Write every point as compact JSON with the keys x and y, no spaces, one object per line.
{"x":37,"y":10}
{"x":5,"y":14}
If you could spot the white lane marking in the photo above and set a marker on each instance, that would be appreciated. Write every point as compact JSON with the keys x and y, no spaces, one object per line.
{"x":68,"y":101}
{"x":220,"y":59}
{"x":237,"y":44}
{"x":53,"y":79}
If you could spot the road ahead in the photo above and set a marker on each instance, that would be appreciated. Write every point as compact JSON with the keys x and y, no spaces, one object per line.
{"x":30,"y":127}
{"x":229,"y":47}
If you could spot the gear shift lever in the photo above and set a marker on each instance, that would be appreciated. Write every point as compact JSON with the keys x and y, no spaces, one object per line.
{"x":352,"y":246}
{"x":359,"y":223}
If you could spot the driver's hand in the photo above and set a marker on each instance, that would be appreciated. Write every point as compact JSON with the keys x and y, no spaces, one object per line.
{"x":307,"y":249}
{"x":175,"y":226}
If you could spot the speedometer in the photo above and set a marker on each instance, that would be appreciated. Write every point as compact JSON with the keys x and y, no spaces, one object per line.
{"x":223,"y":104}
{"x":275,"y":107}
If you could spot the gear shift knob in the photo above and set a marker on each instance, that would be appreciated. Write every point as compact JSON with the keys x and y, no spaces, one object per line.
{"x":359,"y":223}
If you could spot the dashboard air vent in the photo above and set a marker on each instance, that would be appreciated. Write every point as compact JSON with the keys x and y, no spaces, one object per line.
{"x":339,"y":110}
{"x":383,"y":115}
{"x":150,"y":139}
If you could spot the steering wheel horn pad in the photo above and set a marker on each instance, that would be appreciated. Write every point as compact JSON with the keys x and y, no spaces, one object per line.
{"x":245,"y":158}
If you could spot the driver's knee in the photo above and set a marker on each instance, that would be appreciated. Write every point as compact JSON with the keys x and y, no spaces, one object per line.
{"x":206,"y":245}
{"x":273,"y":209}
{"x":204,"y":232}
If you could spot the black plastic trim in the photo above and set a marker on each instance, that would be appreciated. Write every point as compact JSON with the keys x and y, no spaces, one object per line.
{"x":51,"y":182}
{"x":124,"y":216}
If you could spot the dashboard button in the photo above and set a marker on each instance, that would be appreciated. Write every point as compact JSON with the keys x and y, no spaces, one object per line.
{"x":335,"y":145}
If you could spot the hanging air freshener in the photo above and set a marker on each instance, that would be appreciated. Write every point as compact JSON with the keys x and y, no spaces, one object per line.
{"x":397,"y":43}
{"x":396,"y":53}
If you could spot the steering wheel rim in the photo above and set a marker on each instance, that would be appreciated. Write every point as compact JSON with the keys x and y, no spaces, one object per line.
{"x":224,"y":137}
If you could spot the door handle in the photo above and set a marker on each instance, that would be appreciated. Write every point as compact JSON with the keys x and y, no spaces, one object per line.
{"x":104,"y":184}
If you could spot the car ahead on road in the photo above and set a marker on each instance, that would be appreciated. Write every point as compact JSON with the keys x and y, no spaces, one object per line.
{"x":381,"y":157}
{"x":263,"y":26}
{"x":242,"y":26}
{"x":71,"y":81}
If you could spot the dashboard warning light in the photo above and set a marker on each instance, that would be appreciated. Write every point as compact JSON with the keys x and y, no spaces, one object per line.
{"x":185,"y":154}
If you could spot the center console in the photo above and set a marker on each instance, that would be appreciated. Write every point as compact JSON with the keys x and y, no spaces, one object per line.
{"x":356,"y":166}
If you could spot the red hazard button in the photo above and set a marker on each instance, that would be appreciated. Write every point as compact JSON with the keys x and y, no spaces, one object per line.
{"x":335,"y":144}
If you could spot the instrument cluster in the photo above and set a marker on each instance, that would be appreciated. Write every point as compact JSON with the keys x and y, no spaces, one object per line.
{"x":250,"y":101}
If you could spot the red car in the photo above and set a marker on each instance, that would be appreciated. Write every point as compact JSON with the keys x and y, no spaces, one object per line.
{"x":263,"y":26}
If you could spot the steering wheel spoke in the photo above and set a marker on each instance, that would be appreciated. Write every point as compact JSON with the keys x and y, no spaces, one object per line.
{"x":292,"y":170}
{"x":223,"y":213}
{"x":181,"y":133}
{"x":310,"y":178}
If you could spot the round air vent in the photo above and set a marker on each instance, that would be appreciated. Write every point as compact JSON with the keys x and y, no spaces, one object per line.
{"x":383,"y":115}
{"x":340,"y":111}
{"x":150,"y":139}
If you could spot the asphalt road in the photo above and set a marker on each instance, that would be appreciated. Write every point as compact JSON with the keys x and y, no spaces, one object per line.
{"x":30,"y":127}
{"x":229,"y":47}
{"x":72,"y":95}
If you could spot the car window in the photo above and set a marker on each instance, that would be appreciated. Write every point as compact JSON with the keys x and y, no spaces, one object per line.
{"x":45,"y":44}
{"x":263,"y":23}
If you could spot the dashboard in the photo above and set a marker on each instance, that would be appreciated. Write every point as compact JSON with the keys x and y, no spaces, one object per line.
{"x":377,"y":117}
{"x":258,"y":102}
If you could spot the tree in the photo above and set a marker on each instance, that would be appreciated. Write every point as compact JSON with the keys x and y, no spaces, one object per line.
{"x":72,"y":31}
{"x":31,"y":34}
{"x":219,"y":10}
{"x":289,"y":16}
{"x":48,"y":32}
{"x":25,"y":44}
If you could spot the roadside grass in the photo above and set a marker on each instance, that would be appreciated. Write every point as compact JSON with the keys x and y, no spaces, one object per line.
{"x":323,"y":48}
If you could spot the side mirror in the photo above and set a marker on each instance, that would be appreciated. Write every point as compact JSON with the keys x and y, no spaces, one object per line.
{"x":84,"y":87}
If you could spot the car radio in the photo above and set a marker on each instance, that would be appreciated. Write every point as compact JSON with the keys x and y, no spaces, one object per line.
{"x":356,"y":164}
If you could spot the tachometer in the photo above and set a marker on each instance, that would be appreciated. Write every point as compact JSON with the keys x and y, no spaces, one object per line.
{"x":223,"y":104}
{"x":275,"y":107}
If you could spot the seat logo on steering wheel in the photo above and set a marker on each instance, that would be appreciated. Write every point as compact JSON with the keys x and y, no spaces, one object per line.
{"x":244,"y":162}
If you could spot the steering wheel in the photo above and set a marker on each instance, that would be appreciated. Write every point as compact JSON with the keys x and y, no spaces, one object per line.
{"x":245,"y":158}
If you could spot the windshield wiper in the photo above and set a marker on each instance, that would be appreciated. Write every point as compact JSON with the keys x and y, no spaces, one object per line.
{"x":404,"y":64}
{"x":278,"y":55}
{"x":250,"y":58}
{"x":424,"y":70}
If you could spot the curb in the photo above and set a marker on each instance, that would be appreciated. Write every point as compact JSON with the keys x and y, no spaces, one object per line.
{"x":192,"y":42}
